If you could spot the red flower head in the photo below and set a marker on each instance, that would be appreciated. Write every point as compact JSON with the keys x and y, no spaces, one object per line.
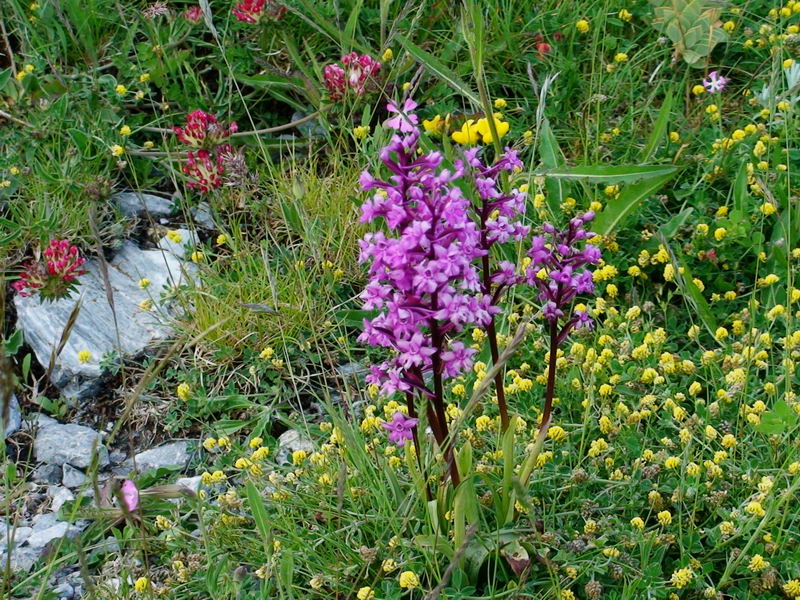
{"x":193,"y":14}
{"x":56,"y":277}
{"x":202,"y":130}
{"x":356,"y":74}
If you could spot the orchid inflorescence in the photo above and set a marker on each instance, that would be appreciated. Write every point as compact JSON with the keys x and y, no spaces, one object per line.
{"x":431,"y":274}
{"x":56,"y":277}
{"x":356,"y":75}
{"x":559,"y":270}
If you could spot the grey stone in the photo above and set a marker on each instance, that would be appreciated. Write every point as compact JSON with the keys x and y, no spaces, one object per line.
{"x":44,"y":521}
{"x":73,"y":477}
{"x":18,"y":536}
{"x":40,"y":420}
{"x":14,"y":416}
{"x":187,"y":242}
{"x":94,"y":330}
{"x":47,"y":474}
{"x":107,"y":546}
{"x":59,"y":496}
{"x":311,"y":128}
{"x":41,"y":537}
{"x":47,"y":527}
{"x":63,"y":591}
{"x":203,"y":217}
{"x":290,"y":441}
{"x":190,"y":483}
{"x":138,"y":204}
{"x":22,"y":559}
{"x":69,"y":444}
{"x":174,"y":454}
{"x":117,"y":456}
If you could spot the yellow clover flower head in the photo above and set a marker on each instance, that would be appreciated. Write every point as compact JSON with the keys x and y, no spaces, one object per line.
{"x":184,"y":391}
{"x":408,"y":580}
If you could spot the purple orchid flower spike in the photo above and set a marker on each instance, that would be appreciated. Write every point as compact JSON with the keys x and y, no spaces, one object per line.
{"x":566,"y":274}
{"x":715,"y":82}
{"x":400,"y":429}
{"x":130,"y":495}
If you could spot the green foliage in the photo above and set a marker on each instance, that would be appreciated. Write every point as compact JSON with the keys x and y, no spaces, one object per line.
{"x":693,"y":26}
{"x":692,"y":358}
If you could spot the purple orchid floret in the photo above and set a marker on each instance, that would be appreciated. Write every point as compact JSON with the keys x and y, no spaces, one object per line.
{"x":715,"y":82}
{"x":405,"y":121}
{"x":400,"y":428}
{"x":566,"y":272}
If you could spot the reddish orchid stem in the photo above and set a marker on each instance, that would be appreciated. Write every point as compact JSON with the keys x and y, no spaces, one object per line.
{"x":551,"y":379}
{"x":491,"y":330}
{"x":438,"y":393}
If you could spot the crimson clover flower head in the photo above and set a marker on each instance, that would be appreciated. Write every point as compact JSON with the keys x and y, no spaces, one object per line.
{"x":255,"y":11}
{"x":203,"y":130}
{"x":54,"y":278}
{"x":400,"y":428}
{"x":421,"y":267}
{"x":356,"y":74}
{"x":193,"y":14}
{"x":715,"y":82}
{"x":206,"y":168}
{"x":559,"y":269}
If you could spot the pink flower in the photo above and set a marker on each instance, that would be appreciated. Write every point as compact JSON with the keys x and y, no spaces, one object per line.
{"x":130,"y":495}
{"x":254,"y":11}
{"x":406,"y":120}
{"x":193,"y":14}
{"x":206,"y":168}
{"x":715,"y":82}
{"x":356,"y":74}
{"x":202,"y":130}
{"x":54,"y":278}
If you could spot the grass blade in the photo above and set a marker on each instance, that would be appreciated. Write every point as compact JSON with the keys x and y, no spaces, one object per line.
{"x":259,"y":515}
{"x":660,"y":128}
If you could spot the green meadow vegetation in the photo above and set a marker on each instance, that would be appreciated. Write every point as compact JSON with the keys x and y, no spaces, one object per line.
{"x":642,"y":442}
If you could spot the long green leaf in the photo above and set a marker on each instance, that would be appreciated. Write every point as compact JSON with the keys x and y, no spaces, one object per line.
{"x":5,"y":75}
{"x":267,"y":81}
{"x":740,"y":195}
{"x":660,"y":127}
{"x":552,"y":158}
{"x":671,"y":227}
{"x":440,"y":70}
{"x":602,"y":174}
{"x":618,"y":210}
{"x":259,"y":514}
